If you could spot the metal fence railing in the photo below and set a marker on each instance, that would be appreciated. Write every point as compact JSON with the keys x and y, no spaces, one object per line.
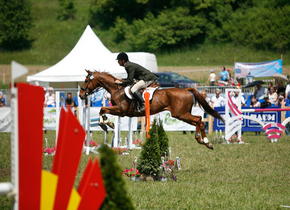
{"x":209,"y":89}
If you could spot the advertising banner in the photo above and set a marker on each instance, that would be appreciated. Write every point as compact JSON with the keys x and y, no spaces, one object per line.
{"x":173,"y":124}
{"x":249,"y":125}
{"x":49,"y":118}
{"x":260,"y":69}
{"x":5,"y":119}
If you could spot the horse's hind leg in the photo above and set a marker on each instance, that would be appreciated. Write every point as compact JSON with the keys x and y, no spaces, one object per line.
{"x":205,"y":140}
{"x":196,"y":121}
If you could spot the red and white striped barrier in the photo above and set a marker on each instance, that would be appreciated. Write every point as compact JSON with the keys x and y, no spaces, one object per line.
{"x":234,"y":123}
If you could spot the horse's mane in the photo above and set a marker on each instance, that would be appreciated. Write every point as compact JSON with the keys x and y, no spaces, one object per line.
{"x":106,"y":73}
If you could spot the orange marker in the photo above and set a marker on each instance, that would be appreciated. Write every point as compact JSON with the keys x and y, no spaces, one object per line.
{"x":147,"y":111}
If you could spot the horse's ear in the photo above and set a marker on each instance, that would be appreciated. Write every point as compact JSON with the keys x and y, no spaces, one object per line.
{"x":88,"y":71}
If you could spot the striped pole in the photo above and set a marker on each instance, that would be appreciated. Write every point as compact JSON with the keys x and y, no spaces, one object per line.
{"x":147,"y":111}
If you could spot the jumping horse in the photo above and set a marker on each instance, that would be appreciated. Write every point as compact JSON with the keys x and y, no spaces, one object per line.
{"x":178,"y":101}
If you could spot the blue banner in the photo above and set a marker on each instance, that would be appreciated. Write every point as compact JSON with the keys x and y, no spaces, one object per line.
{"x":249,"y":125}
{"x":260,"y":69}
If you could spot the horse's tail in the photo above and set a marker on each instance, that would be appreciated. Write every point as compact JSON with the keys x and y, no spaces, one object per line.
{"x":202,"y":103}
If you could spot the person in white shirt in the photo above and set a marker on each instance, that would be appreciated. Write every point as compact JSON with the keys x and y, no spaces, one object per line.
{"x":287,"y":91}
{"x":218,"y":100}
{"x":260,"y":92}
{"x":235,"y":99}
{"x":211,"y":78}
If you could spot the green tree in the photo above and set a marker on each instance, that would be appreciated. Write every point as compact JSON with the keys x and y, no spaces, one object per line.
{"x":150,"y":158}
{"x":260,"y":28}
{"x":15,"y":23}
{"x":67,"y":9}
{"x":163,"y":139}
{"x":116,"y":188}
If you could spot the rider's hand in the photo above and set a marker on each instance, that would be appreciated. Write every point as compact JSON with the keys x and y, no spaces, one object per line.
{"x":118,"y":81}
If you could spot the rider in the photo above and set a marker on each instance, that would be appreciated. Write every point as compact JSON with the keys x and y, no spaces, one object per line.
{"x":135,"y":71}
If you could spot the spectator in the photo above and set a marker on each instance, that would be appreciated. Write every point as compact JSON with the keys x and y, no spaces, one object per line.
{"x":254,"y":102}
{"x":270,"y":84}
{"x":287,"y":91}
{"x":224,"y":75}
{"x":236,"y":97}
{"x":260,"y":92}
{"x":280,"y":88}
{"x":211,"y":78}
{"x":266,"y":102}
{"x":210,"y":102}
{"x":45,"y":94}
{"x":1,"y":98}
{"x":272,"y":95}
{"x":50,"y":98}
{"x":217,"y":99}
{"x":1,"y":104}
{"x":108,"y":97}
{"x":69,"y":101}
{"x":281,"y":100}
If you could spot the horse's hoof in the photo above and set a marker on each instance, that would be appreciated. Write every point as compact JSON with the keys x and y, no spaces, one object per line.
{"x":111,"y":125}
{"x":103,"y":126}
{"x":209,"y":145}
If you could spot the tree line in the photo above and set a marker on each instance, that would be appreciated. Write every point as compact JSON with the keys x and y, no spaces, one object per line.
{"x":157,"y":25}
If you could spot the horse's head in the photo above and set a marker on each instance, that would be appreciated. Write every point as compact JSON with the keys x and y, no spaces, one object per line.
{"x":89,"y":85}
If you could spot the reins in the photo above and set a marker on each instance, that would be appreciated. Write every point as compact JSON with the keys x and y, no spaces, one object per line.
{"x":105,"y":87}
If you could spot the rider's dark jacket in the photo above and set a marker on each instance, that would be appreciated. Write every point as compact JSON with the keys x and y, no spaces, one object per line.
{"x":137,"y":72}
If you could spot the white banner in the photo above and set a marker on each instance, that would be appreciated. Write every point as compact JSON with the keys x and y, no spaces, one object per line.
{"x":173,"y":124}
{"x":49,"y":120}
{"x":94,"y":113}
{"x":5,"y":119}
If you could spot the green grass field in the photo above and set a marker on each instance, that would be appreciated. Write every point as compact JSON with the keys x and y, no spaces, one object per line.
{"x":250,"y":176}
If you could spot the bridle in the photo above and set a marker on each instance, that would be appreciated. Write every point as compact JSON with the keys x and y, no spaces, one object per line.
{"x":86,"y":89}
{"x":89,"y":92}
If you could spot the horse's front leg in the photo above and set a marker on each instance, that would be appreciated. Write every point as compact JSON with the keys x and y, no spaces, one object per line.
{"x":114,"y":110}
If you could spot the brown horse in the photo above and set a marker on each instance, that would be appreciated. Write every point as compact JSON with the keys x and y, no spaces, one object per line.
{"x":178,"y":101}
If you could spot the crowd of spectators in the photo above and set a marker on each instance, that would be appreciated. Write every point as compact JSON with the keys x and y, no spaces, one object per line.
{"x":271,"y":96}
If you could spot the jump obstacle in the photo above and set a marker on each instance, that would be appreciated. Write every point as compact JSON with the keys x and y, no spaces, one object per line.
{"x":87,"y":122}
{"x":34,"y":188}
{"x":234,"y":121}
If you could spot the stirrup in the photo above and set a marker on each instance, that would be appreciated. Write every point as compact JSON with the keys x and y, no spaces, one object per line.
{"x":142,"y":109}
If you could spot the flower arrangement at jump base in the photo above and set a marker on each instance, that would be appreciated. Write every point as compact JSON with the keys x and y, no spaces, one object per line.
{"x":219,"y":138}
{"x":92,"y":143}
{"x":138,"y":142}
{"x":48,"y":151}
{"x":119,"y":151}
{"x":236,"y":140}
{"x":166,"y":169}
{"x":133,"y":173}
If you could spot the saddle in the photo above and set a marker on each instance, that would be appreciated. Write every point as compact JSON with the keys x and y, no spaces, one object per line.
{"x":129,"y":95}
{"x":151,"y":89}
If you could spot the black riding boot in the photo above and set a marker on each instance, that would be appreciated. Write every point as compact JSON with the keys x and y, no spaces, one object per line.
{"x":140,"y":99}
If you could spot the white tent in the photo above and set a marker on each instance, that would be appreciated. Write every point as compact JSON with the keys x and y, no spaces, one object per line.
{"x":89,"y":53}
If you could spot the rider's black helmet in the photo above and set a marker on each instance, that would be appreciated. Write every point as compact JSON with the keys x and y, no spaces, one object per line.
{"x":122,"y":56}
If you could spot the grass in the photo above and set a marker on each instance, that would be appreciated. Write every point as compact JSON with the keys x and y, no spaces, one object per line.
{"x":250,"y":176}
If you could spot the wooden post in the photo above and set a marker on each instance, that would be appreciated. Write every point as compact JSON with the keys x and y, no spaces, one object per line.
{"x":210,"y":124}
{"x":3,"y":78}
{"x":281,"y":56}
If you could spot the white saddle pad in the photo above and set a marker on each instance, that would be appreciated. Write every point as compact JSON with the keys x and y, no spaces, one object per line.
{"x":149,"y":89}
